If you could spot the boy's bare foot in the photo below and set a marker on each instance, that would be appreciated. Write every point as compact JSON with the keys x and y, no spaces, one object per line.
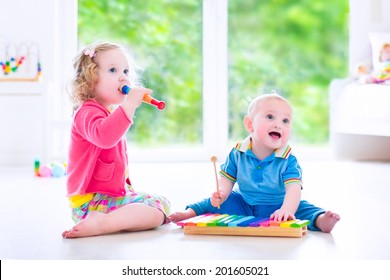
{"x":91,"y":226}
{"x":326,"y":221}
{"x":180,"y":216}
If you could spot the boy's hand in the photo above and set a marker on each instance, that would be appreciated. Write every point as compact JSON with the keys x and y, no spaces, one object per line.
{"x":282,"y":215}
{"x":216,"y":199}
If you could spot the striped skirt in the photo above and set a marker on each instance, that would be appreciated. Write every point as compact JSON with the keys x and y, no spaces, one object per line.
{"x":106,"y":203}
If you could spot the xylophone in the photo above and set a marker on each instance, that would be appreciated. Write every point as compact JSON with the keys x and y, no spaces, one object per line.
{"x":224,"y":224}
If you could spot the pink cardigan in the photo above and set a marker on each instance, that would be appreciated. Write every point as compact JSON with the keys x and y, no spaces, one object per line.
{"x":97,"y":153}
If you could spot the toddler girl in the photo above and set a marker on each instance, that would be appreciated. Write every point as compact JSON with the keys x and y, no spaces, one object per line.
{"x":100,"y":193}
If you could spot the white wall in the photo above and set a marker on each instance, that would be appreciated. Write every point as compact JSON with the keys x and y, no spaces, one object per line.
{"x":365,"y":16}
{"x":26,"y":114}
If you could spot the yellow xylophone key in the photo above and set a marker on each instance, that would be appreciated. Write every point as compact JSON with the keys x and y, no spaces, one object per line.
{"x":205,"y":219}
{"x":287,"y":224}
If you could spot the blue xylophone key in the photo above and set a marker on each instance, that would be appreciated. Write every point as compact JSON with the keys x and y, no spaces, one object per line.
{"x":236,"y":222}
{"x":247,"y":222}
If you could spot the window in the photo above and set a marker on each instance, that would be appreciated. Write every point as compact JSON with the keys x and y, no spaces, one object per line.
{"x":180,"y":47}
{"x":165,"y":38}
{"x":207,"y":76}
{"x":294,"y":47}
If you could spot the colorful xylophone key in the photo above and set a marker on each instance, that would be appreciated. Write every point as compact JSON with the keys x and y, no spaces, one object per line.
{"x":227,"y":220}
{"x":212,"y":220}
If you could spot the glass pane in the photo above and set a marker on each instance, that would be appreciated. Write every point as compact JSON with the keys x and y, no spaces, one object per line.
{"x":295,"y":47}
{"x":165,"y":38}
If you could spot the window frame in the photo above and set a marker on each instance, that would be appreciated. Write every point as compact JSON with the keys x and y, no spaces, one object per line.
{"x":214,"y":91}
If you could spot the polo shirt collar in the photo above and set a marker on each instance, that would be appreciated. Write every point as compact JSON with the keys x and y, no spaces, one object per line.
{"x":246,"y":145}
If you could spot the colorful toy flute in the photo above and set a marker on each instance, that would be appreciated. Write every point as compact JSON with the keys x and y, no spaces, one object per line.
{"x":125,"y":89}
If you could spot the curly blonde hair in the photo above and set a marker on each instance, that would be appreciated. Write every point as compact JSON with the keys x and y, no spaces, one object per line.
{"x":86,"y":77}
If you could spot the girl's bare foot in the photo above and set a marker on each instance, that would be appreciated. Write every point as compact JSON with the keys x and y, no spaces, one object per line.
{"x":326,"y":221}
{"x":130,"y":217}
{"x":179,"y":216}
{"x":91,"y":226}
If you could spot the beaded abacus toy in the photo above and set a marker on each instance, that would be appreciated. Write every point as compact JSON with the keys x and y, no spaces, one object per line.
{"x":19,"y":62}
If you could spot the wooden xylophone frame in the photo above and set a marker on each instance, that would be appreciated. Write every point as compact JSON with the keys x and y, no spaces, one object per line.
{"x":191,"y":226}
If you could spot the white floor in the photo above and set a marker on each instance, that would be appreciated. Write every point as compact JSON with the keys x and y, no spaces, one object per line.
{"x":34,"y":212}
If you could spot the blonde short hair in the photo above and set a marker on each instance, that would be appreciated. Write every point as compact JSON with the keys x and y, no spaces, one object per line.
{"x":257,"y":100}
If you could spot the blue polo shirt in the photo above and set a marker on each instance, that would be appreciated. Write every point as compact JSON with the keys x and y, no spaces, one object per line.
{"x":261,"y":181}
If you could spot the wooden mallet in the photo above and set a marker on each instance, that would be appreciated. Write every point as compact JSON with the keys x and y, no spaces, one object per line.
{"x":214,"y":160}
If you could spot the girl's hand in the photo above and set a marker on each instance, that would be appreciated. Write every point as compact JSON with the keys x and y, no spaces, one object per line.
{"x":136,"y":95}
{"x":134,"y":99}
{"x":282,"y":215}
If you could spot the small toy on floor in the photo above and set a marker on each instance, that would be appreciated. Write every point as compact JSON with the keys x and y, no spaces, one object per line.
{"x":54,"y":169}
